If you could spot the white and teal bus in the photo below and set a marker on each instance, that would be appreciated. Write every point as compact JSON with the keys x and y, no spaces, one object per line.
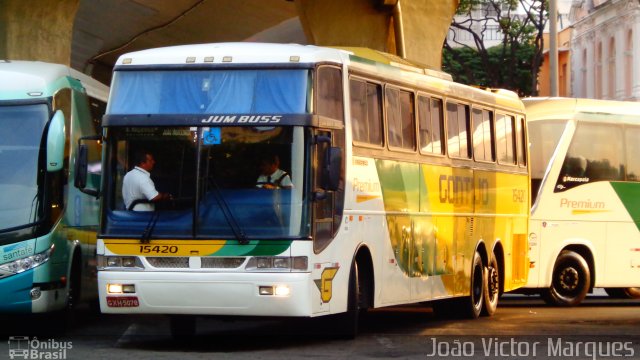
{"x":407,"y":187}
{"x":47,"y":227}
{"x":585,"y":181}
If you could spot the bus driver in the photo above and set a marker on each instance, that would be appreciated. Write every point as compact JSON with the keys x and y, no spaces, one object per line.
{"x":137,"y":184}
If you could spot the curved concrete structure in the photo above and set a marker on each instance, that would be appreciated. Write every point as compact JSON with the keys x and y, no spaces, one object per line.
{"x":89,"y":35}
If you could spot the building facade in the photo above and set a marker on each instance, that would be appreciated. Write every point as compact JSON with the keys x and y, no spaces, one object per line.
{"x":605,"y":41}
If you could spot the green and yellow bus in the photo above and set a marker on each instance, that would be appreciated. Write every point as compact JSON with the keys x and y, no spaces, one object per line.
{"x":47,"y":227}
{"x":406,"y":187}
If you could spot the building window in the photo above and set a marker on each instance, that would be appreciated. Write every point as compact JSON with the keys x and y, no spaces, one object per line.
{"x":628,"y":65}
{"x":598,"y":79}
{"x":611,"y":76}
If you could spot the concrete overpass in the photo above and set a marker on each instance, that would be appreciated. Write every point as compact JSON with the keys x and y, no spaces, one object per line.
{"x":89,"y":35}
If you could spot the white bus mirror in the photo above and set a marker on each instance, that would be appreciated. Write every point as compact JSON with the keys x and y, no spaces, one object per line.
{"x":55,"y":142}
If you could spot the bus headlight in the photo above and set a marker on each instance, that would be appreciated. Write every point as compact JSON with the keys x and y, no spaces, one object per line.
{"x":28,"y":263}
{"x":278,"y":263}
{"x":122,"y":262}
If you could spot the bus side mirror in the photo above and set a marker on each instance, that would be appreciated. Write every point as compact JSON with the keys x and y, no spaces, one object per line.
{"x":81,"y":168}
{"x":55,"y":142}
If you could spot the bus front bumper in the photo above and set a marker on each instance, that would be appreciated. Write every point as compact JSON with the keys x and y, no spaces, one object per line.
{"x":201,"y":293}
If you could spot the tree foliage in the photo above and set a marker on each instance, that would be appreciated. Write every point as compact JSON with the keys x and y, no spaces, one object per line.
{"x":514,"y":63}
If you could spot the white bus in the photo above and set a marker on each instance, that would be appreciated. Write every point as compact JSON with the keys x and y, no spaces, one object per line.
{"x":585,"y":182}
{"x":47,"y":228}
{"x":406,"y":187}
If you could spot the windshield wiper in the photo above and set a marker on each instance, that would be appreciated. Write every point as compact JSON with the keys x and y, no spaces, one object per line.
{"x":231,"y":220}
{"x":146,"y":234}
{"x":20,"y":227}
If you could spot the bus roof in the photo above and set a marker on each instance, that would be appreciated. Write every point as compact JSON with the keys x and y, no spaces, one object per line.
{"x":34,"y":79}
{"x":271,"y":53}
{"x":233,"y":53}
{"x":558,"y":108}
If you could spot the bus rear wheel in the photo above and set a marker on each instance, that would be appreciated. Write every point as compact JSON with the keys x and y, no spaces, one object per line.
{"x":491,"y":288}
{"x":623,"y":293}
{"x":570,"y":282}
{"x":473,"y":304}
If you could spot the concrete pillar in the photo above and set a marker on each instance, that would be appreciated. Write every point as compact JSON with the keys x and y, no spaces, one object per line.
{"x":426,"y":24}
{"x":414,"y":29}
{"x":37,"y":30}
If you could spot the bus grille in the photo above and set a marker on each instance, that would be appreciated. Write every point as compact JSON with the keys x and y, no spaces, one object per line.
{"x":169,"y":262}
{"x":222,"y":262}
{"x":182,"y":262}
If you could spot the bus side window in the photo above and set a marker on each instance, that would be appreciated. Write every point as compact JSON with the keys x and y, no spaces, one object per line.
{"x":523,"y":145}
{"x":483,"y":135}
{"x":366,"y":114}
{"x":632,"y":134}
{"x":330,"y":96}
{"x":592,"y":156}
{"x":458,"y":130}
{"x":505,"y":139}
{"x":430,"y":125}
{"x":400,"y":119}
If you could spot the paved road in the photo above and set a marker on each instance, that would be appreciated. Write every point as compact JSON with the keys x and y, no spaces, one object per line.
{"x":523,"y":327}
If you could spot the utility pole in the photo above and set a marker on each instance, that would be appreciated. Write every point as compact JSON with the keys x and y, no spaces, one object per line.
{"x":553,"y":46}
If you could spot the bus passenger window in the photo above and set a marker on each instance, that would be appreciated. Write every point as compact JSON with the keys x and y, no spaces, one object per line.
{"x":458,"y":130}
{"x":400,"y":119}
{"x":522,"y":147}
{"x":632,"y":149}
{"x":483,"y":136}
{"x":505,"y":139}
{"x":592,"y":156}
{"x":430,"y":125}
{"x":366,"y":117}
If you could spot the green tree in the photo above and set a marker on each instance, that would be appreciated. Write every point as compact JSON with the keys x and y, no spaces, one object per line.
{"x":515,"y":63}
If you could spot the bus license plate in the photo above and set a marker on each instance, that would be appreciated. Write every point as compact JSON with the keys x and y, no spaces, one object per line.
{"x":122,"y":301}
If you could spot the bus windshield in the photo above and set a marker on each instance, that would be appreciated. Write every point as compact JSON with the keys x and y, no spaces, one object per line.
{"x":544,"y":138}
{"x":267,"y":91}
{"x":20,"y":139}
{"x":218,"y":181}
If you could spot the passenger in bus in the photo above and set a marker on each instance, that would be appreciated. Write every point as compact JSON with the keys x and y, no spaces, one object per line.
{"x":137,"y":184}
{"x":271,"y":176}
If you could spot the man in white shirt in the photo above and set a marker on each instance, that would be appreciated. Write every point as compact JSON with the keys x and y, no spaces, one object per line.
{"x":137,"y":184}
{"x":271,"y":177}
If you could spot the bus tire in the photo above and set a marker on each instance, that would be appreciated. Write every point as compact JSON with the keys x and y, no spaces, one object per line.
{"x":349,"y":321}
{"x":473,"y":304}
{"x":623,"y":293}
{"x":182,"y":327}
{"x":491,"y":287}
{"x":75,"y":280}
{"x":570,"y":282}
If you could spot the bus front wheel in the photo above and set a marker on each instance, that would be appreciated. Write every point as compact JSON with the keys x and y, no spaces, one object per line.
{"x":349,"y":321}
{"x":570,"y":282}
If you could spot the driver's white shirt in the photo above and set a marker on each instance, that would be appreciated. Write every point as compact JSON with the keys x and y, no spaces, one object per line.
{"x":137,"y":184}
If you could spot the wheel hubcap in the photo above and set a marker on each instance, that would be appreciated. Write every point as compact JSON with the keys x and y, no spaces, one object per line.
{"x":569,"y":279}
{"x":493,"y":281}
